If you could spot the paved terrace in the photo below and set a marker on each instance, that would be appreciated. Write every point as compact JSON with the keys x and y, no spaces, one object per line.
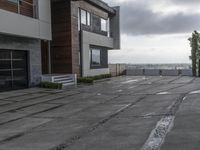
{"x":124,"y":113}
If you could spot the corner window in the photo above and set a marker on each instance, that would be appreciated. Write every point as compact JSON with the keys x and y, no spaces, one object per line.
{"x":103,"y":25}
{"x":95,"y":57}
{"x":85,"y":17}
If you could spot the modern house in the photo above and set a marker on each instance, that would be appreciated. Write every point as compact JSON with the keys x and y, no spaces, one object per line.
{"x":55,"y":37}
{"x":24,"y":26}
{"x":82,"y":33}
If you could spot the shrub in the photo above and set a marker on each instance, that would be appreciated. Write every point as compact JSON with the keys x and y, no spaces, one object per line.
{"x":85,"y":80}
{"x":93,"y":78}
{"x":51,"y":85}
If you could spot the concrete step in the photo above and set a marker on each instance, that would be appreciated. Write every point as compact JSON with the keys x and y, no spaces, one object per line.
{"x":65,"y":81}
{"x":62,"y":79}
{"x":68,"y":84}
{"x":61,"y":76}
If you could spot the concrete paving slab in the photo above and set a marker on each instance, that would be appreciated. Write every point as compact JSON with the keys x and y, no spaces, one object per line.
{"x":18,"y":105}
{"x":48,"y":136}
{"x":187,"y":88}
{"x":118,"y":114}
{"x":184,"y":79}
{"x":36,"y":109}
{"x":152,"y":106}
{"x":125,"y":99}
{"x":27,"y":97}
{"x":73,"y":98}
{"x":7,"y":117}
{"x":3,"y":102}
{"x":14,"y":128}
{"x":160,"y":88}
{"x":117,"y":134}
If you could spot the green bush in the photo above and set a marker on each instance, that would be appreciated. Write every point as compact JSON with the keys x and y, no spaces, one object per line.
{"x":85,"y":80}
{"x":93,"y":78}
{"x":51,"y":85}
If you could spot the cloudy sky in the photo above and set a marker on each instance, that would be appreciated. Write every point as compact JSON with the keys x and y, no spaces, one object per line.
{"x":156,"y":31}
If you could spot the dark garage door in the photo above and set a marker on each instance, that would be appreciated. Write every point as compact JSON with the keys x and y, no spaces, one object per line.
{"x":13,"y":70}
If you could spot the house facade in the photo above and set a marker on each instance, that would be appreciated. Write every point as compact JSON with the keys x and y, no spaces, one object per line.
{"x":82,"y":33}
{"x":24,"y":26}
{"x":40,"y":37}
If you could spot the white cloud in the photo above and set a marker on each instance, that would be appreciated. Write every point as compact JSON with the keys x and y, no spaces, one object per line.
{"x":173,"y":48}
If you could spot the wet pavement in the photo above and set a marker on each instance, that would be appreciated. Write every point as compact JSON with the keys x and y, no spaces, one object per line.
{"x":122,"y":113}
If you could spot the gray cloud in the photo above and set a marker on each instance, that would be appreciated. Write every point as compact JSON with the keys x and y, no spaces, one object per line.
{"x":138,"y":20}
{"x":186,"y":2}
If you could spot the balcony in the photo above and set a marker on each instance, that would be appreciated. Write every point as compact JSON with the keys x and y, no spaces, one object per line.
{"x":24,"y":7}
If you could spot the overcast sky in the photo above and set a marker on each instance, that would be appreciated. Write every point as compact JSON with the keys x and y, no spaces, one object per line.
{"x":156,"y":31}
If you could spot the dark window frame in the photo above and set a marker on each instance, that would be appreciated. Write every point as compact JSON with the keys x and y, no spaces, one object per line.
{"x":103,"y":57}
{"x":91,"y":56}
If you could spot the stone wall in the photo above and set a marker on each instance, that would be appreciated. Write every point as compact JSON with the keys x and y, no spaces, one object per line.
{"x":33,"y":47}
{"x":117,"y":69}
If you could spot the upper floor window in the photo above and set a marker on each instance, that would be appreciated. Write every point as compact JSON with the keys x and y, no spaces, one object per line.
{"x":85,"y":17}
{"x":104,"y":25}
{"x":88,"y":18}
{"x":14,"y":1}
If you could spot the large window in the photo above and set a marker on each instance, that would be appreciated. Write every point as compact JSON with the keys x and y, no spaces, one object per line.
{"x":95,"y":57}
{"x":85,"y":17}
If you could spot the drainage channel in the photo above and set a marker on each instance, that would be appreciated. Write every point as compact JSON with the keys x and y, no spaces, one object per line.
{"x":163,"y":127}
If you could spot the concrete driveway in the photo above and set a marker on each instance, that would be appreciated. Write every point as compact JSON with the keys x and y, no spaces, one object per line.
{"x":124,"y":113}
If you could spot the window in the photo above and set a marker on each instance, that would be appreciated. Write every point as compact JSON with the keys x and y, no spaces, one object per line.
{"x":108,"y":27}
{"x":95,"y":57}
{"x":14,"y":1}
{"x":103,"y":25}
{"x":85,"y":17}
{"x":88,"y":18}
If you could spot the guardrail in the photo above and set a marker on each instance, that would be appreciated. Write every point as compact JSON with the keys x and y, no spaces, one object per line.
{"x":159,"y":72}
{"x":150,"y":70}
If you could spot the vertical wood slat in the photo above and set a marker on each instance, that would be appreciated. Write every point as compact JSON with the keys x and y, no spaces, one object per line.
{"x":61,"y":45}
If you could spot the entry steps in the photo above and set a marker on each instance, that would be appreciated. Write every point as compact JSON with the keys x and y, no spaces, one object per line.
{"x":64,"y":79}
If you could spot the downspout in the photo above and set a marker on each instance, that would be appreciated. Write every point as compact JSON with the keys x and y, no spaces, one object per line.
{"x":80,"y":43}
{"x":49,"y":57}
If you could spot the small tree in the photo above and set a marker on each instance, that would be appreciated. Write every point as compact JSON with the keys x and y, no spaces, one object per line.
{"x":195,"y":51}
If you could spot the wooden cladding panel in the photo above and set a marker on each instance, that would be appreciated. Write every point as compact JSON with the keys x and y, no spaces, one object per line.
{"x":61,"y":47}
{"x":25,"y":8}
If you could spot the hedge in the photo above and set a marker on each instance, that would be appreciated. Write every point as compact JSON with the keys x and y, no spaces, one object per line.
{"x":51,"y":85}
{"x":91,"y":79}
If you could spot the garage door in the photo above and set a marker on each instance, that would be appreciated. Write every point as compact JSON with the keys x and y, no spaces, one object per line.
{"x":13,"y":70}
